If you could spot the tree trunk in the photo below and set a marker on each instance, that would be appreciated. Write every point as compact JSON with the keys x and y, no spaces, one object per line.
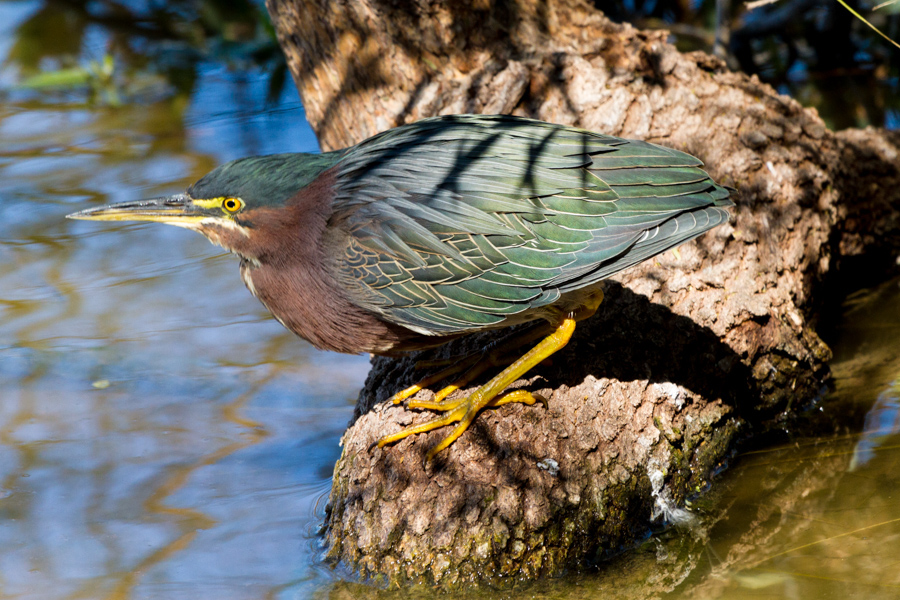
{"x":689,"y":351}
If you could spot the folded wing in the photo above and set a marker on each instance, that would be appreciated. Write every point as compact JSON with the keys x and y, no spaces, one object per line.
{"x":459,"y":223}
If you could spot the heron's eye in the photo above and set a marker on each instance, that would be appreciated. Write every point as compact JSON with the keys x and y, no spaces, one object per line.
{"x":232,"y":205}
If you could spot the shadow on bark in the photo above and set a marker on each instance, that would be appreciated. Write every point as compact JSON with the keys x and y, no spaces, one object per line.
{"x":629,"y":339}
{"x":690,"y":350}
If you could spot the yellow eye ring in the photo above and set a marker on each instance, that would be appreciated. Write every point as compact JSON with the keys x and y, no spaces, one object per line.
{"x":232,"y":205}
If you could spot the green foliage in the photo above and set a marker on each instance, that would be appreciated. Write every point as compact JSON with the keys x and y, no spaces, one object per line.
{"x":152,"y":49}
{"x":97,"y":77}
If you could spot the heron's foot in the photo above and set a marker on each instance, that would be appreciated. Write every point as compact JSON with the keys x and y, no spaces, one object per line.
{"x":499,"y":353}
{"x":429,"y":381}
{"x":520,"y":396}
{"x":462,"y":411}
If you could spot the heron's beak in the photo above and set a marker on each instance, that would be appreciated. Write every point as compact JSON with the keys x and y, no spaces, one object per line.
{"x":173,"y":210}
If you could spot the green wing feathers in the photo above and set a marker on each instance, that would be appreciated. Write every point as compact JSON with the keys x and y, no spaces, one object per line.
{"x":459,"y":223}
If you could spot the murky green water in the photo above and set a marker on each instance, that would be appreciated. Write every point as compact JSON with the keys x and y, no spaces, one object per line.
{"x":162,"y":437}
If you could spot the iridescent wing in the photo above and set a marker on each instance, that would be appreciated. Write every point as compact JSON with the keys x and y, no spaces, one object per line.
{"x":458,"y":223}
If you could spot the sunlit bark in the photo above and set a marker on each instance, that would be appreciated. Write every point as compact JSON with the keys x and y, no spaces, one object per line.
{"x":688,"y":351}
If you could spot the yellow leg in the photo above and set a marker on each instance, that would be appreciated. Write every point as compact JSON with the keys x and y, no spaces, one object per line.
{"x":521,"y":396}
{"x":487,"y":362}
{"x":476,"y":365}
{"x":431,"y":380}
{"x":589,"y":307}
{"x":463,"y":412}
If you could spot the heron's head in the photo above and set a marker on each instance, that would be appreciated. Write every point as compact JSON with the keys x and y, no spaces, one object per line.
{"x":235,"y":206}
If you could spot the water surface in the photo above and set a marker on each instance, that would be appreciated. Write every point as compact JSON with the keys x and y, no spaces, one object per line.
{"x":160,"y":435}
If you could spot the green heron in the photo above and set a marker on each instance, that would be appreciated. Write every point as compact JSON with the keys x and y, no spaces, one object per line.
{"x":441,"y":228}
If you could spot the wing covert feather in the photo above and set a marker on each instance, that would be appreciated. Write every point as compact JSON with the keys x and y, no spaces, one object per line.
{"x":454,"y":224}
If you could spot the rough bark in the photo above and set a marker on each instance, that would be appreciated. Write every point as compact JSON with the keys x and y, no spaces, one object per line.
{"x":693,"y":347}
{"x":701,"y":561}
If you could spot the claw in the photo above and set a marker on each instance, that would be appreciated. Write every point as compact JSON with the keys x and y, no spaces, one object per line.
{"x":464,"y":410}
{"x":432,"y":379}
{"x":438,"y":405}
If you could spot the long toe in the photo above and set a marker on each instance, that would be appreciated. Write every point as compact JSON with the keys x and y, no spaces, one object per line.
{"x":468,"y":411}
{"x":442,"y":405}
{"x":427,"y":382}
{"x":447,"y":419}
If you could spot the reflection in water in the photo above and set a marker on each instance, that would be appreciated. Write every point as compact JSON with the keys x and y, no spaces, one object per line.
{"x":198,"y":468}
{"x":190,"y":520}
{"x":882,"y":424}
